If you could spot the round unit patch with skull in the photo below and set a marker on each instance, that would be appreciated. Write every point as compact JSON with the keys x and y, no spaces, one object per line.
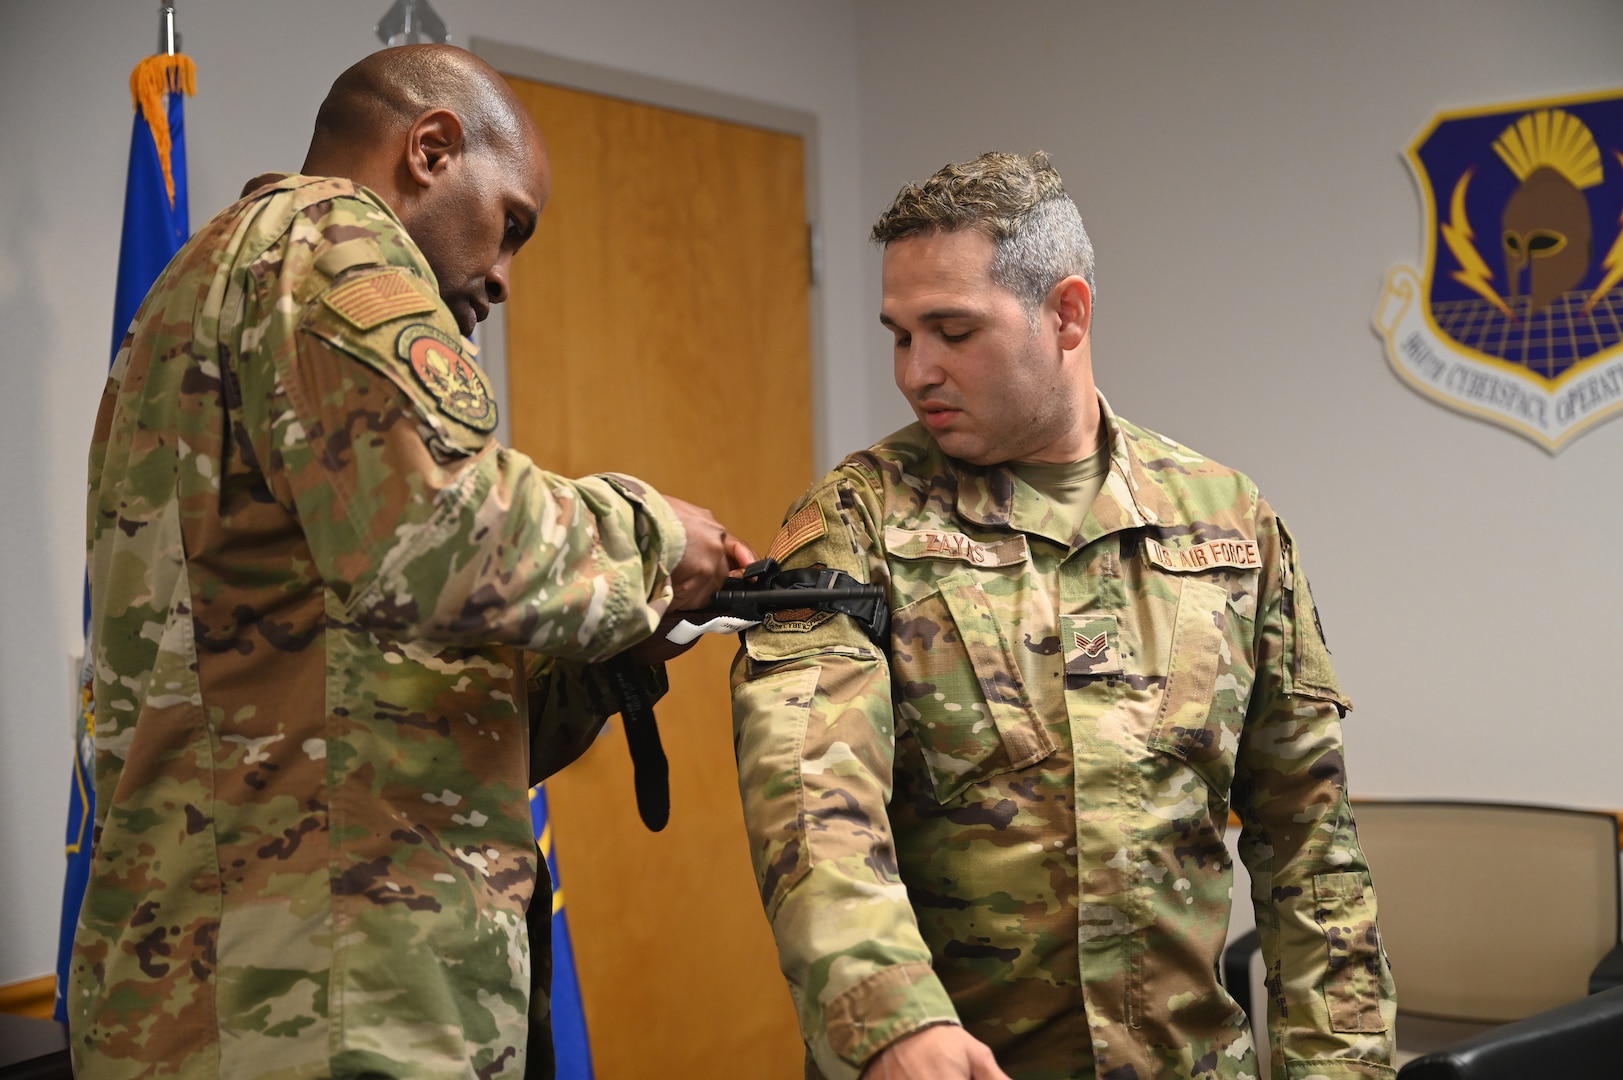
{"x":454,"y":381}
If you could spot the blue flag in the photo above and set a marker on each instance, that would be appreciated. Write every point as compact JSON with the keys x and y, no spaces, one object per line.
{"x":568,"y":1014}
{"x":155,"y":227}
{"x":156,"y":221}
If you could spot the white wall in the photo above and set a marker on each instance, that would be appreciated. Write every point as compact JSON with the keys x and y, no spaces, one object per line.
{"x":1238,"y":167}
{"x":262,"y":70}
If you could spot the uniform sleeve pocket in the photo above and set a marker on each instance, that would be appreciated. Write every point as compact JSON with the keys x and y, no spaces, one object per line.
{"x":959,"y":690}
{"x":1344,"y":908}
{"x":770,"y":715}
{"x":1309,"y":672}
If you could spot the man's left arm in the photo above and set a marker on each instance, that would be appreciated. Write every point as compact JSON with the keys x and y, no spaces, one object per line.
{"x":1331,"y":999}
{"x":815,"y":733}
{"x":420,"y":525}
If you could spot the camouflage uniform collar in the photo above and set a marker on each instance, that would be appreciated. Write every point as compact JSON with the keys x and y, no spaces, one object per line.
{"x":330,"y":186}
{"x":993,"y":496}
{"x":272,"y":182}
{"x":1132,"y":490}
{"x":341,"y":185}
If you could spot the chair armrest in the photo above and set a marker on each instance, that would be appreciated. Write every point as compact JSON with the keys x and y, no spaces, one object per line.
{"x":1237,"y":970}
{"x":33,"y":1049}
{"x":1575,"y":1041}
{"x":1608,"y":973}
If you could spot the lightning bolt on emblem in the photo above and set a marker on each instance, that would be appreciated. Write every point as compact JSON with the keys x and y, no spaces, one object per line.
{"x":1473,"y":272}
{"x":1613,"y":263}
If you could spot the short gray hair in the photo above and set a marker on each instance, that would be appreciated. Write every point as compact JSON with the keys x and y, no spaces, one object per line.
{"x":1019,"y":202}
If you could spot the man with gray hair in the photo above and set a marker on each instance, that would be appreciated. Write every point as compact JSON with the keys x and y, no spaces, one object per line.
{"x":990,"y":843}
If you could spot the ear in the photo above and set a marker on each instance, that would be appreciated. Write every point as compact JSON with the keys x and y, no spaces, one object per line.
{"x":433,"y":142}
{"x":1072,"y":301}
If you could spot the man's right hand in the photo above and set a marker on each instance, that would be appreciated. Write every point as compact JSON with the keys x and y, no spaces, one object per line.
{"x":710,"y":553}
{"x":942,"y":1052}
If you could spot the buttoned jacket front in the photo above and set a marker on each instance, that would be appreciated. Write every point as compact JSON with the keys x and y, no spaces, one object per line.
{"x":337,"y":632}
{"x":1013,"y":817}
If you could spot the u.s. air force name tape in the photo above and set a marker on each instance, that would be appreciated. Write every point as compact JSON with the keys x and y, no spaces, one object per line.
{"x":1239,"y":554}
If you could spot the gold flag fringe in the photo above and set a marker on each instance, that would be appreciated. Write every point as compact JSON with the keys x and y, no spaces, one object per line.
{"x":152,"y":80}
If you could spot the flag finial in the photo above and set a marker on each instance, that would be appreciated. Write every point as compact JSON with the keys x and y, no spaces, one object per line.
{"x":168,"y":36}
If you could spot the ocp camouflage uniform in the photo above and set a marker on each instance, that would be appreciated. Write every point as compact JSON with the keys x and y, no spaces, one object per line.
{"x":312,"y":576}
{"x":1014,"y":817}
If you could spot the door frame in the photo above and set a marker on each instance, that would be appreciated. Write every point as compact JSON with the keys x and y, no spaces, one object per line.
{"x":539,"y":66}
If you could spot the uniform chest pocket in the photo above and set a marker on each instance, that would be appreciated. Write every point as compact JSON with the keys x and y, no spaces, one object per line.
{"x":959,"y":690}
{"x":1203,"y":706}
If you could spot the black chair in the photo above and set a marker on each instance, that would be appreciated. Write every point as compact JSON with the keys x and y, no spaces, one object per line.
{"x":1582,"y":1040}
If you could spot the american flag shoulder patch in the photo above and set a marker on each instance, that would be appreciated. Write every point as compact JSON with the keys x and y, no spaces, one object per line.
{"x":374,"y":299}
{"x":801,"y":529}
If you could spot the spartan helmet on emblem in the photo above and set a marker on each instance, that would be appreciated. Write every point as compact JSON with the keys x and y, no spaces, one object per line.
{"x":1547,"y":229}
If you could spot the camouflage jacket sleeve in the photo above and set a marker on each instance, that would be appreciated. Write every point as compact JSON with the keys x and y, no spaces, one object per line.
{"x":815,"y":739}
{"x":569,"y":702}
{"x":374,"y":434}
{"x":1331,"y":999}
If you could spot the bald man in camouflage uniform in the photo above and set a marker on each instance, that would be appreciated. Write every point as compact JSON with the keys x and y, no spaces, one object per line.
{"x":991,"y":844}
{"x":338,"y":630}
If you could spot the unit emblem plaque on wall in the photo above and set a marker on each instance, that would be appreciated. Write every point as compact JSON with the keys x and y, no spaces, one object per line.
{"x":1518,"y":315}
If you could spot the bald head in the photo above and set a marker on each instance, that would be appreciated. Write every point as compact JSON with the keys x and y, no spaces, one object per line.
{"x":439,"y":136}
{"x":373,"y":104}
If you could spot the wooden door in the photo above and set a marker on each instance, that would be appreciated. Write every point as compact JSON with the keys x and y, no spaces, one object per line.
{"x":659,"y":327}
